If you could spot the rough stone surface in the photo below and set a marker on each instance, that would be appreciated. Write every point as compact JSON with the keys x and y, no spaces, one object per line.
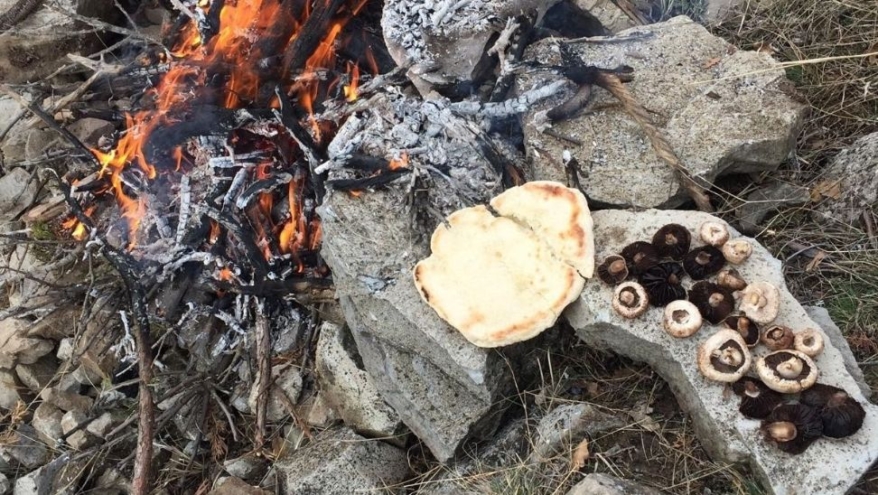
{"x":611,"y":16}
{"x":348,"y":389}
{"x":716,"y":121}
{"x":716,"y":11}
{"x":59,"y":477}
{"x":286,"y":380}
{"x":248,"y":467}
{"x":341,"y":462}
{"x":66,"y":401}
{"x":37,"y":375}
{"x":855,"y":172}
{"x":602,"y":484}
{"x":231,"y":485}
{"x":22,"y":447}
{"x":766,"y":200}
{"x":17,"y":192}
{"x":443,"y":388}
{"x":89,"y":130}
{"x":567,"y":425}
{"x":320,"y":413}
{"x":5,"y":484}
{"x":442,"y":42}
{"x":9,"y":395}
{"x":65,"y":349}
{"x":47,"y":422}
{"x":15,"y":345}
{"x":101,"y":425}
{"x":724,"y":432}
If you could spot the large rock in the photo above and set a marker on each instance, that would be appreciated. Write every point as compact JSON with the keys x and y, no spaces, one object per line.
{"x":602,"y":484}
{"x":852,"y":178}
{"x":22,"y":447}
{"x":348,"y":389}
{"x":722,"y":110}
{"x":340,"y":462}
{"x":443,"y":388}
{"x":828,"y":467}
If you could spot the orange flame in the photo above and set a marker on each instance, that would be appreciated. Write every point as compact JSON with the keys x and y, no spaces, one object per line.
{"x":350,"y":90}
{"x":225,"y":274}
{"x":398,"y":163}
{"x":77,"y":228}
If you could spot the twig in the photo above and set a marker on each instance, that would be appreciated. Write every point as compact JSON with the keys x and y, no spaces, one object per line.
{"x":869,"y":221}
{"x":104,"y":26}
{"x":183,"y":9}
{"x":263,"y":375}
{"x":17,"y":13}
{"x":662,"y":148}
{"x":69,"y":98}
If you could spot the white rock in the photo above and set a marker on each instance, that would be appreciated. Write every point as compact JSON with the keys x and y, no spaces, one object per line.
{"x":17,"y":347}
{"x":101,"y":425}
{"x":828,"y":467}
{"x":65,"y":349}
{"x":47,"y":422}
{"x":5,"y":485}
{"x":286,"y":380}
{"x":9,"y":396}
{"x":601,"y":484}
{"x":854,"y":171}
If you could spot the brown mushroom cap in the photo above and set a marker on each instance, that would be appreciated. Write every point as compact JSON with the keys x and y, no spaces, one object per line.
{"x":737,"y":251}
{"x":714,"y":302}
{"x":672,"y":241}
{"x":703,"y":262}
{"x":792,"y":427}
{"x":787,"y":372}
{"x":809,"y":341}
{"x":757,"y":400}
{"x":681,"y":319}
{"x":745,"y":326}
{"x":777,"y":337}
{"x":841,"y":414}
{"x":613,"y":270}
{"x":760,"y":301}
{"x":630,"y":300}
{"x":714,"y":233}
{"x":641,"y":256}
{"x":724,"y":357}
{"x":731,"y":279}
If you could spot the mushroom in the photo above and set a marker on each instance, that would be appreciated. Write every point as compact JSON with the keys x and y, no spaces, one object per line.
{"x":757,"y":400}
{"x":792,"y":427}
{"x":749,"y":331}
{"x":714,"y":233}
{"x":681,"y":319}
{"x":777,"y":337}
{"x":841,"y":415}
{"x":737,"y":251}
{"x":787,"y":372}
{"x":613,"y":270}
{"x":714,"y":302}
{"x":641,"y":256}
{"x":630,"y":299}
{"x":731,"y":279}
{"x":723,"y":357}
{"x":760,"y":301}
{"x":672,"y":241}
{"x":663,"y":282}
{"x":809,"y":341}
{"x":703,"y":262}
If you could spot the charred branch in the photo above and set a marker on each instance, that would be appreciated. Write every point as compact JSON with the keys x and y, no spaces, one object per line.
{"x":310,"y":35}
{"x":367,"y":182}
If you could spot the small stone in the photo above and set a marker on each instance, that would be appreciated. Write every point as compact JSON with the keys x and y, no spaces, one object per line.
{"x":9,"y":396}
{"x":340,"y":461}
{"x":89,"y":130}
{"x":102,"y":425}
{"x":39,"y":142}
{"x":81,"y":440}
{"x":5,"y":485}
{"x":65,"y":349}
{"x":67,"y":401}
{"x":37,"y":376}
{"x":15,"y":345}
{"x":231,"y":485}
{"x":321,"y":415}
{"x":248,"y":467}
{"x":22,"y":447}
{"x":768,"y":199}
{"x":59,"y":477}
{"x":602,"y":484}
{"x":716,"y":11}
{"x":47,"y":422}
{"x":17,"y":190}
{"x":71,"y":420}
{"x":288,"y":381}
{"x":79,"y":377}
{"x":567,"y":424}
{"x":611,"y":16}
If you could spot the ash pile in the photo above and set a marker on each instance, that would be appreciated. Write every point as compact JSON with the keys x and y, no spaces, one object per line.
{"x":210,"y":224}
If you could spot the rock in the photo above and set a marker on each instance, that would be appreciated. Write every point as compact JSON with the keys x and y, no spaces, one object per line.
{"x":28,"y":292}
{"x":9,"y":396}
{"x":371,"y":246}
{"x":71,"y":421}
{"x":602,"y":484}
{"x":40,"y":42}
{"x":341,"y":462}
{"x":15,"y":345}
{"x":716,"y":11}
{"x":717,"y":121}
{"x":56,"y":325}
{"x":17,"y":191}
{"x":89,"y":130}
{"x":286,"y":380}
{"x":348,"y":389}
{"x":725,"y":434}
{"x":74,"y":380}
{"x":5,"y":485}
{"x":65,"y":349}
{"x":444,"y":42}
{"x":102,"y":425}
{"x":47,"y":422}
{"x":566,"y":425}
{"x":21,"y":447}
{"x":768,"y":199}
{"x":229,"y":485}
{"x":831,"y":330}
{"x":321,"y":414}
{"x":40,"y":141}
{"x":66,"y":401}
{"x":37,"y":376}
{"x":248,"y":467}
{"x":611,"y":16}
{"x":59,"y":477}
{"x":850,"y":183}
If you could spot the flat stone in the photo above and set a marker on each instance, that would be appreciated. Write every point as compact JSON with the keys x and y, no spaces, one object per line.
{"x":724,"y":432}
{"x":17,"y":192}
{"x":40,"y":141}
{"x":102,"y":425}
{"x":852,"y":181}
{"x":347,"y":387}
{"x":59,"y":477}
{"x":9,"y":395}
{"x":717,"y":120}
{"x":37,"y":376}
{"x":65,"y":349}
{"x":47,"y":422}
{"x":766,"y":200}
{"x":22,"y":447}
{"x":230,"y":485}
{"x":339,"y":461}
{"x":602,"y":484}
{"x":566,"y":425}
{"x":90,"y":130}
{"x":16,"y":347}
{"x":248,"y":467}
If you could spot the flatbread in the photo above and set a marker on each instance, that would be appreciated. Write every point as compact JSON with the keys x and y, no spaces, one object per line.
{"x":493,"y":279}
{"x":559,"y":215}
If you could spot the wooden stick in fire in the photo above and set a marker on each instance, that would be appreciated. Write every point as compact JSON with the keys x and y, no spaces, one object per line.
{"x":263,"y":375}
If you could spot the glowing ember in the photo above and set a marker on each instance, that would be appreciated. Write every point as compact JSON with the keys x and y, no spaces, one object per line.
{"x":225,"y":274}
{"x":398,"y":163}
{"x":77,"y":228}
{"x":350,"y":90}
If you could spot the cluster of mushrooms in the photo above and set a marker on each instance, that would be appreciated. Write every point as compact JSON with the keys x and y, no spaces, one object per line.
{"x":789,"y":421}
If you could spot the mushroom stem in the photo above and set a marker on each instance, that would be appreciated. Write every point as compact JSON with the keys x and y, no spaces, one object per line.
{"x":729,"y":356}
{"x":782,"y":431}
{"x":790,"y":368}
{"x":617,"y":267}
